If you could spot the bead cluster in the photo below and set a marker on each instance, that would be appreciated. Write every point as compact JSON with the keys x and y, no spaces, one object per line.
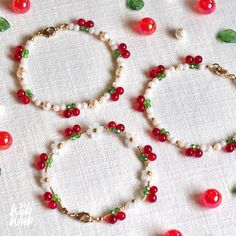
{"x":143,"y":104}
{"x":119,"y":51}
{"x":44,"y":163}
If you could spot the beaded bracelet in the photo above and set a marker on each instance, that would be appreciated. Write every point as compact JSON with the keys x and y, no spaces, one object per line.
{"x":145,"y":154}
{"x":118,"y":51}
{"x":143,"y":103}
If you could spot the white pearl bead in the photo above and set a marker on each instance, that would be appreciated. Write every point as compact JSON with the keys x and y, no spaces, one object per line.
{"x":33,"y":99}
{"x":104,"y":37}
{"x":112,"y":43}
{"x":121,"y":63}
{"x":96,"y":31}
{"x":29,"y":45}
{"x":223,"y":143}
{"x":107,"y":95}
{"x":150,"y":116}
{"x":71,"y":26}
{"x":2,"y":110}
{"x":149,"y":110}
{"x":102,"y":100}
{"x":62,"y":107}
{"x":56,"y":108}
{"x":84,"y":105}
{"x":209,"y":148}
{"x":202,"y":66}
{"x":20,"y":73}
{"x":179,"y":33}
{"x":218,"y":146}
{"x":154,"y":122}
{"x":167,"y":72}
{"x":119,"y":60}
{"x":118,"y":71}
{"x":171,"y":68}
{"x":91,"y":30}
{"x":173,"y":140}
{"x":150,"y":84}
{"x":114,"y":47}
{"x":46,"y":106}
{"x":78,"y":105}
{"x":180,"y":67}
{"x":37,"y":102}
{"x":203,"y":147}
{"x":147,"y":93}
{"x":187,"y":145}
{"x":186,"y":66}
{"x":182,"y":143}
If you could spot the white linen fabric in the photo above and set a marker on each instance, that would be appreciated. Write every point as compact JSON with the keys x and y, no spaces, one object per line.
{"x":95,"y":175}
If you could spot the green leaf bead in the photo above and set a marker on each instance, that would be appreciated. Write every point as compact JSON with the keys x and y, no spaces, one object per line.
{"x":117,"y":210}
{"x":146,"y":192}
{"x":191,"y":66}
{"x":4,"y":24}
{"x":111,"y":90}
{"x":112,"y":212}
{"x":29,"y":93}
{"x":197,"y":66}
{"x":230,"y":140}
{"x":25,"y":53}
{"x":136,"y":5}
{"x":147,"y":188}
{"x":227,"y":36}
{"x":68,"y":106}
{"x":115,"y":53}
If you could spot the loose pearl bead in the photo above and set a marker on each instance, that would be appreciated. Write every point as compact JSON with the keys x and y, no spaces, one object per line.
{"x":211,"y":198}
{"x":147,"y":26}
{"x":5,"y":140}
{"x":206,"y":6}
{"x":179,"y":33}
{"x":20,"y":6}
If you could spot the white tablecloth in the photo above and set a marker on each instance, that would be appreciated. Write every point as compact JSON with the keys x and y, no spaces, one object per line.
{"x":96,"y":175}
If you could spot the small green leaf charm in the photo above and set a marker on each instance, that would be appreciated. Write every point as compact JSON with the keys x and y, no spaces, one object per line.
{"x":136,"y":5}
{"x":4,"y":24}
{"x":228,"y":36}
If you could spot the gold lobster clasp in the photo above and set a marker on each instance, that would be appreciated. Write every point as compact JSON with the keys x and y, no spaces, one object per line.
{"x":49,"y":32}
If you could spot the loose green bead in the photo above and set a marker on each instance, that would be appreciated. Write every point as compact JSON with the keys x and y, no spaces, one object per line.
{"x":4,"y":24}
{"x":136,"y":5}
{"x":227,"y":35}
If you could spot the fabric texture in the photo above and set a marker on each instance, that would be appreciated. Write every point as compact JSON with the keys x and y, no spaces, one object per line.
{"x":96,"y":175}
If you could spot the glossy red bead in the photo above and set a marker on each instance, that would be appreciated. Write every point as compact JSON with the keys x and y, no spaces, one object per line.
{"x":112,"y":219}
{"x":141,"y":108}
{"x":25,"y":100}
{"x":17,"y":57}
{"x":190,"y":152}
{"x":153,"y":189}
{"x":20,"y":93}
{"x":75,"y":111}
{"x":147,"y":149}
{"x":67,"y":114}
{"x":89,"y":24}
{"x":68,"y":132}
{"x":40,"y":165}
{"x":206,"y":6}
{"x":119,"y":90}
{"x":125,"y":53}
{"x":121,"y":127}
{"x":173,"y":232}
{"x":122,"y":46}
{"x":52,"y":204}
{"x":198,"y":153}
{"x":155,"y":132}
{"x":112,"y":124}
{"x":229,"y":147}
{"x":140,"y":99}
{"x":81,"y":22}
{"x":197,"y":60}
{"x":211,"y":198}
{"x":43,"y":157}
{"x":121,"y":215}
{"x":115,"y":97}
{"x":20,"y":6}
{"x":152,"y":197}
{"x":162,"y":137}
{"x":6,"y":140}
{"x":152,"y":156}
{"x":153,"y":73}
{"x":19,"y":49}
{"x":147,"y":26}
{"x":189,"y":59}
{"x":160,"y":69}
{"x":76,"y":129}
{"x":47,"y":196}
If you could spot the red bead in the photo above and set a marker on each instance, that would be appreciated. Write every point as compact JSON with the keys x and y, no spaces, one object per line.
{"x":140,"y":99}
{"x":20,"y":6}
{"x":206,"y":6}
{"x":234,"y":144}
{"x":112,"y":124}
{"x":67,"y":113}
{"x":122,"y":46}
{"x":197,"y":60}
{"x":147,"y":26}
{"x":112,"y":219}
{"x":115,"y":97}
{"x":198,"y":153}
{"x":17,"y":57}
{"x":81,"y":22}
{"x":173,"y":232}
{"x":121,"y":215}
{"x":155,"y":132}
{"x":47,"y":196}
{"x":190,"y":152}
{"x":162,"y":137}
{"x":20,"y":93}
{"x":189,"y":59}
{"x":121,"y":127}
{"x":89,"y":24}
{"x":153,"y":189}
{"x":25,"y":100}
{"x":152,"y":156}
{"x":40,"y":165}
{"x":52,"y":204}
{"x":229,"y":147}
{"x":119,"y":90}
{"x":160,"y":69}
{"x":68,"y":132}
{"x":75,"y":111}
{"x":211,"y":198}
{"x":43,"y":157}
{"x":141,"y":108}
{"x":125,"y":53}
{"x":147,"y":149}
{"x":153,"y":73}
{"x":152,"y":197}
{"x":5,"y":140}
{"x":76,"y":129}
{"x":19,"y":49}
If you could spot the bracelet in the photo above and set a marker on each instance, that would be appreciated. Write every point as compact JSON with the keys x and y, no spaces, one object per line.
{"x":145,"y":155}
{"x":143,"y":103}
{"x":118,"y":51}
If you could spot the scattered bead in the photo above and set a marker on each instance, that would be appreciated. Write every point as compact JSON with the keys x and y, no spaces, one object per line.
{"x":4,"y":24}
{"x":136,"y":5}
{"x":20,"y":6}
{"x":173,"y":232}
{"x":147,"y":26}
{"x":6,"y":140}
{"x":211,"y":198}
{"x":206,"y":6}
{"x":227,"y":36}
{"x":179,"y":33}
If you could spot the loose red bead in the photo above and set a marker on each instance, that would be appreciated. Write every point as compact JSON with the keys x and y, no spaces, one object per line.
{"x":121,"y":127}
{"x":125,"y":53}
{"x":121,"y":215}
{"x":40,"y":165}
{"x":190,"y":152}
{"x":47,"y":196}
{"x":89,"y":24}
{"x":43,"y":157}
{"x":147,"y":149}
{"x":115,"y":97}
{"x":211,"y":198}
{"x":206,"y":6}
{"x":20,"y":93}
{"x":19,"y":49}
{"x":141,"y":108}
{"x":153,"y":73}
{"x":173,"y":232}
{"x":75,"y":111}
{"x":25,"y":100}
{"x":52,"y":204}
{"x":76,"y":129}
{"x":112,"y":124}
{"x":20,"y":6}
{"x":160,"y":69}
{"x":155,"y":132}
{"x":229,"y":147}
{"x":112,"y":219}
{"x":17,"y":57}
{"x":5,"y":140}
{"x":147,"y":26}
{"x":162,"y":137}
{"x":122,"y":46}
{"x":119,"y":90}
{"x":140,"y":99}
{"x":68,"y":132}
{"x":152,"y":156}
{"x":67,"y":113}
{"x":152,"y":197}
{"x":153,"y":189}
{"x":198,"y":153}
{"x":189,"y":59}
{"x":197,"y":60}
{"x":81,"y":22}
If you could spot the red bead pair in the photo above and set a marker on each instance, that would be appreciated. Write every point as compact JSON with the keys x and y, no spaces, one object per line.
{"x":193,"y":60}
{"x":158,"y":135}
{"x":71,"y":112}
{"x":148,"y":151}
{"x":230,"y":147}
{"x":74,"y":130}
{"x":24,"y":99}
{"x":112,"y":124}
{"x":18,"y":53}
{"x":153,"y":73}
{"x":40,"y":165}
{"x":122,"y":47}
{"x":196,"y":152}
{"x":51,"y":203}
{"x":116,"y":94}
{"x":112,"y":219}
{"x":83,"y":22}
{"x":152,"y":197}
